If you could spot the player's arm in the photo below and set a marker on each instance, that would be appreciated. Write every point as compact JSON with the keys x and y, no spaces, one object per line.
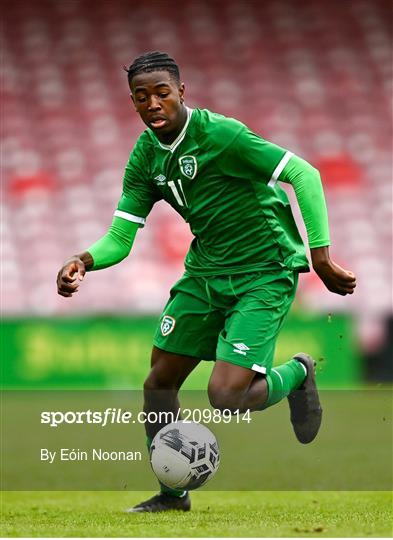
{"x":307,"y":184}
{"x":138,"y":197}
{"x":109,"y":250}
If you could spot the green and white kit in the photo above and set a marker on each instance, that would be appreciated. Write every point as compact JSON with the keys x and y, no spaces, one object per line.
{"x":233,"y":318}
{"x":242,"y":265}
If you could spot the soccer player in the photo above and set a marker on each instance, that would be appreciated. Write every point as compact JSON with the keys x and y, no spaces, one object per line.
{"x":242,"y":268}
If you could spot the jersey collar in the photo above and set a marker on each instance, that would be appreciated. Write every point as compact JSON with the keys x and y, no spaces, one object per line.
{"x":172,"y":147}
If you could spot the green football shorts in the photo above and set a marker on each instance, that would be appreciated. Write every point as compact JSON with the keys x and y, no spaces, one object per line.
{"x":232,"y":318}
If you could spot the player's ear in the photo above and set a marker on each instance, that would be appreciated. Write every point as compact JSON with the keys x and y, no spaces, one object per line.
{"x":182,"y":90}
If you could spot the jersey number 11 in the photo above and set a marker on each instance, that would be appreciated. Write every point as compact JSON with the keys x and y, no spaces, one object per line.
{"x":180,"y":197}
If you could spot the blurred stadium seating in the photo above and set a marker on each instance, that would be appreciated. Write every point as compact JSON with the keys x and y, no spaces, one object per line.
{"x":314,"y":77}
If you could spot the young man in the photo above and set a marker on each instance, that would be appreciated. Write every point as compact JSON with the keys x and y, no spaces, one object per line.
{"x":242,"y":266}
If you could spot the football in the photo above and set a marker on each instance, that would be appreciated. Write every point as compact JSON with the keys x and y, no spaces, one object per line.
{"x":184,"y":455}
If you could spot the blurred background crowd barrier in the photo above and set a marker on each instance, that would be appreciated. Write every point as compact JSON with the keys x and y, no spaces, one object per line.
{"x":311,"y":76}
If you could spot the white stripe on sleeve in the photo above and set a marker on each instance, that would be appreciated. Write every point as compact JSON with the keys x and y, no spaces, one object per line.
{"x":280,"y":167}
{"x":129,"y":217}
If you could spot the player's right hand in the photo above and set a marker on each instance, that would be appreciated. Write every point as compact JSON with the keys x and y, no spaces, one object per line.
{"x":69,"y":276}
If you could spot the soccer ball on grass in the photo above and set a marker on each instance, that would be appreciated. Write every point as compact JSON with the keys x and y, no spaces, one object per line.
{"x":184,"y":455}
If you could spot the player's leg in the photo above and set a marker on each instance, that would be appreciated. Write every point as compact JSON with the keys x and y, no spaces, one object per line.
{"x":161,"y":387}
{"x":243,"y":377}
{"x":189,"y":328}
{"x":167,"y":374}
{"x":294,"y":379}
{"x":235,"y":387}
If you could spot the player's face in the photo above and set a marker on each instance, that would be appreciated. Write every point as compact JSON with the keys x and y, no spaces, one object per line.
{"x":159,"y":100}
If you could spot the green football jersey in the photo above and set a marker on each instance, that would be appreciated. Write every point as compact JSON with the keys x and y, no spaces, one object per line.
{"x":221,"y":178}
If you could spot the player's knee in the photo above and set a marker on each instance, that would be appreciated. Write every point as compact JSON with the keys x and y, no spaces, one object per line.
{"x":158,"y":379}
{"x":222,"y":398}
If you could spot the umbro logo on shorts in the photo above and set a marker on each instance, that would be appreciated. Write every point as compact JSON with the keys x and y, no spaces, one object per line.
{"x":167,"y":325}
{"x":241,"y":348}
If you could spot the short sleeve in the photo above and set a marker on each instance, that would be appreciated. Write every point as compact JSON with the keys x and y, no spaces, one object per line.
{"x":253,"y":157}
{"x":139,"y":193}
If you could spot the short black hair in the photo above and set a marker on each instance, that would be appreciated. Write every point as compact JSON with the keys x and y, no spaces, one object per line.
{"x":153,"y":61}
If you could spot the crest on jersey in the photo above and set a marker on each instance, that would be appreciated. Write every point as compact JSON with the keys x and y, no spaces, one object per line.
{"x":167,"y":325}
{"x":188,"y":166}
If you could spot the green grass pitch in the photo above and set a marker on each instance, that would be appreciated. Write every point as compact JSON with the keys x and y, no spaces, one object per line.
{"x":214,"y":514}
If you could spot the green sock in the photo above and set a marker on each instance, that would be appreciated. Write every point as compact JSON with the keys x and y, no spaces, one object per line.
{"x":282,"y":380}
{"x":163,"y":488}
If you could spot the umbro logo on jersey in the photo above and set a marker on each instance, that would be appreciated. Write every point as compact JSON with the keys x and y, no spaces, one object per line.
{"x":167,"y":325}
{"x":188,"y":166}
{"x":241,"y":348}
{"x":161,"y":179}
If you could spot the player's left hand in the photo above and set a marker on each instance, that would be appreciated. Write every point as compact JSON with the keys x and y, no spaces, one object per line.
{"x":336,"y":279}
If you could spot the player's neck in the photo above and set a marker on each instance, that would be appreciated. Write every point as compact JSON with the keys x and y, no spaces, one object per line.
{"x":168,"y":138}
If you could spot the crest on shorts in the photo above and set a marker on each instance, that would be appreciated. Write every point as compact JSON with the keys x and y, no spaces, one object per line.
{"x":167,"y":325}
{"x":188,"y":166}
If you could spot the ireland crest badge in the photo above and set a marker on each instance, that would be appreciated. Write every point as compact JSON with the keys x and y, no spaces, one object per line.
{"x":188,"y":166}
{"x":167,"y":325}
